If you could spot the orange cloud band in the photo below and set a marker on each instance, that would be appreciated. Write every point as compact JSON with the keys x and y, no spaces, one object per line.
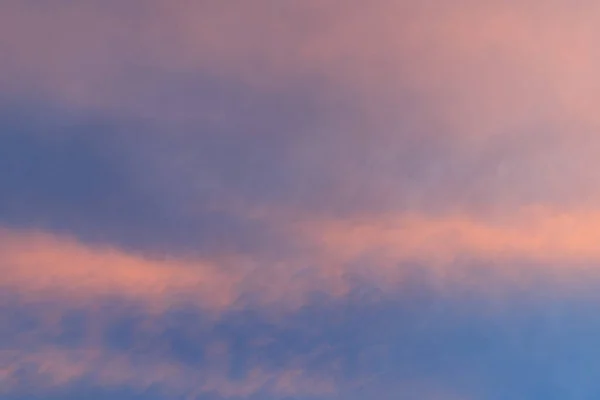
{"x":40,"y":264}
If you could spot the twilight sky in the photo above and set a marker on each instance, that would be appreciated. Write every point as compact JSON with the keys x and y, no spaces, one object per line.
{"x":299,"y":200}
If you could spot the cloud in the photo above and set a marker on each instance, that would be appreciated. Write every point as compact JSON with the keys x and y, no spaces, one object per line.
{"x":536,"y":234}
{"x":92,"y":177}
{"x":483,"y":66}
{"x":417,"y":342}
{"x":334,"y":107}
{"x":37,"y":264}
{"x":50,"y":369}
{"x":513,"y":249}
{"x":311,"y":199}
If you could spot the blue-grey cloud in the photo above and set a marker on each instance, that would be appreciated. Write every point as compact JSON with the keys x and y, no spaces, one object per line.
{"x":536,"y":345}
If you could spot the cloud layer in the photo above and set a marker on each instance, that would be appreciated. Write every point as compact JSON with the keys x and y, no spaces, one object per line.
{"x":310,"y":199}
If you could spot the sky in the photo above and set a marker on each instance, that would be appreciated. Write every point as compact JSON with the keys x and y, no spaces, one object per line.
{"x":299,"y":200}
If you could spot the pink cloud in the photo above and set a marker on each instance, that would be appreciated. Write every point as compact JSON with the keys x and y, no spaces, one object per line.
{"x":482,"y":66}
{"x":542,"y":241}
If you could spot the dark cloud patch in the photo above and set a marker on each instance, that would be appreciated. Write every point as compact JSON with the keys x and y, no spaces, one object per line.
{"x":191,"y":175}
{"x":185,"y":177}
{"x":61,"y":172}
{"x":79,"y":176}
{"x":205,"y":153}
{"x":68,"y":174}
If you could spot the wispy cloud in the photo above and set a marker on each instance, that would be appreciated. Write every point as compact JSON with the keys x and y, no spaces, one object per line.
{"x":335,"y":199}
